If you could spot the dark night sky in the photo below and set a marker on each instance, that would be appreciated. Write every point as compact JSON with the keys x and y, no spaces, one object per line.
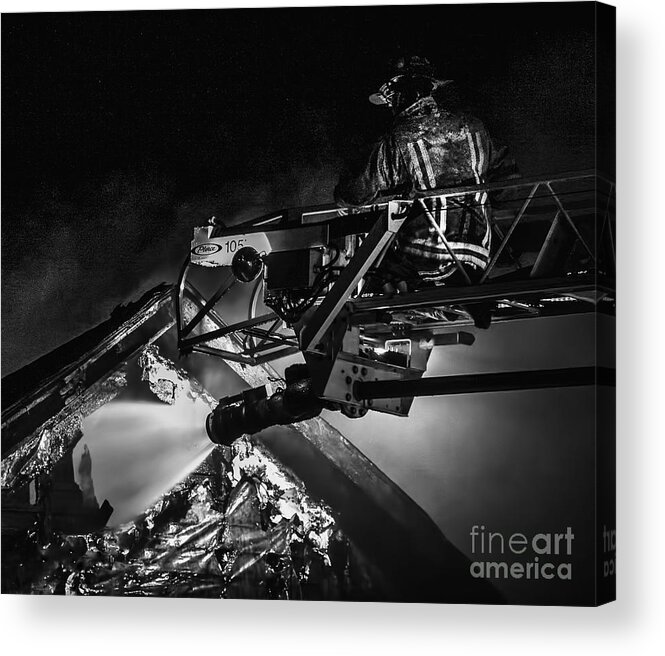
{"x":121,"y":131}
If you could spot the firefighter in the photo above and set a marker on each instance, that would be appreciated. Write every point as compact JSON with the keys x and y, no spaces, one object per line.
{"x":427,"y":147}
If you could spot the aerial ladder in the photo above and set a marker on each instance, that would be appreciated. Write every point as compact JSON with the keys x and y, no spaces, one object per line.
{"x":294,"y":282}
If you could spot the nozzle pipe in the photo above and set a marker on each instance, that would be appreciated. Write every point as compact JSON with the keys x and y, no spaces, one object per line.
{"x":252,"y":412}
{"x":494,"y":382}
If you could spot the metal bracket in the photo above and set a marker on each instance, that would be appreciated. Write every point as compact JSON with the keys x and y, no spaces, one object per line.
{"x":379,"y":237}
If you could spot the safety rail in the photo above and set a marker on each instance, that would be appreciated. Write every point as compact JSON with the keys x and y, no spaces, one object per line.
{"x":553,"y":253}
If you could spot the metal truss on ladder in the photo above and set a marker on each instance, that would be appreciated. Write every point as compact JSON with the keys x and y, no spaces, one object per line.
{"x":553,"y":253}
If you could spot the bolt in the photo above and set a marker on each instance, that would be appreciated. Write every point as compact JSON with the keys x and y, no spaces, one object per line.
{"x":363,"y":371}
{"x":355,"y":369}
{"x":349,"y":380}
{"x":348,"y":397}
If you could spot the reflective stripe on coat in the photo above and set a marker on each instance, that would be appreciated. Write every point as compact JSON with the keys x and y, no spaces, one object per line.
{"x":431,"y":148}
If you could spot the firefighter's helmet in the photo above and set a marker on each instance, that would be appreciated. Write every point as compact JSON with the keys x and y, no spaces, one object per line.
{"x":412,"y":68}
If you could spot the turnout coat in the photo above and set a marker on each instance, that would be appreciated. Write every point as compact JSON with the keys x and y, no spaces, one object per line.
{"x":430,"y":148}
